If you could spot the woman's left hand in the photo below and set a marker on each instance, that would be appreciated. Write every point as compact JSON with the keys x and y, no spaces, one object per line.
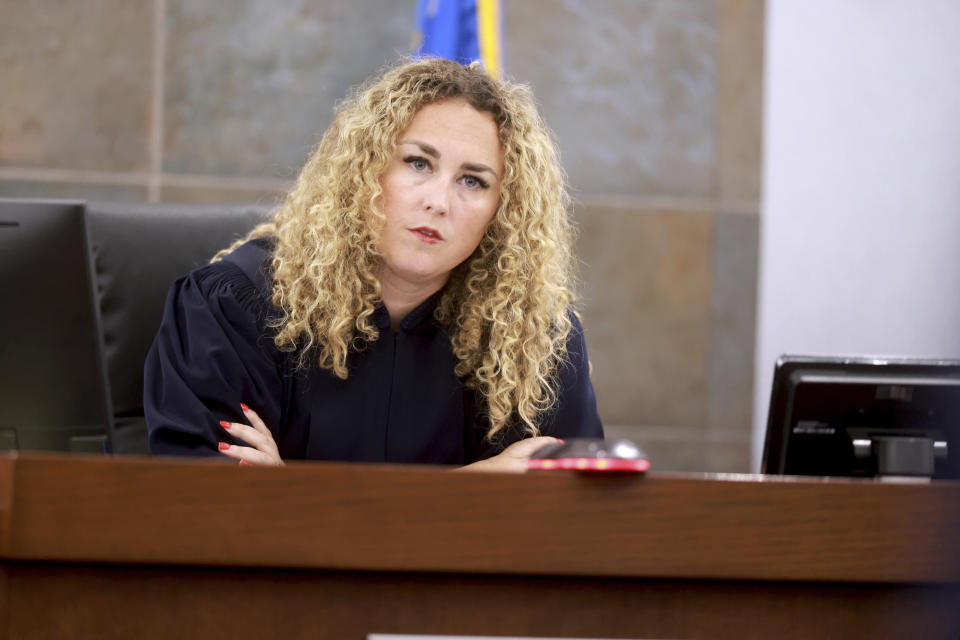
{"x":514,"y":458}
{"x":263,"y":451}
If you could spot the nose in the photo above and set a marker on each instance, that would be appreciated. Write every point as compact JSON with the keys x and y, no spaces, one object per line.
{"x":436,"y":199}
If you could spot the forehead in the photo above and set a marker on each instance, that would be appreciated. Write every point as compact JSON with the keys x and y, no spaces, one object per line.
{"x":457,"y":125}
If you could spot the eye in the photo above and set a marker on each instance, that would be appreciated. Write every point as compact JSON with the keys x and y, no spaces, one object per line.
{"x":473,"y":182}
{"x":417,"y":163}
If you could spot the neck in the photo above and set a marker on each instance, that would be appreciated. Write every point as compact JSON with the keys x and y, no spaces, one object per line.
{"x":401,"y":297}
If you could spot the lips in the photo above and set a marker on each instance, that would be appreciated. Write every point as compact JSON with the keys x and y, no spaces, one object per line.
{"x":427,"y":234}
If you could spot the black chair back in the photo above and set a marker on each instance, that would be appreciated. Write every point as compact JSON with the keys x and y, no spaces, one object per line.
{"x":139,"y":250}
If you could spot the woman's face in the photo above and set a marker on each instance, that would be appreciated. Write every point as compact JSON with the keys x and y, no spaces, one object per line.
{"x":440,"y":191}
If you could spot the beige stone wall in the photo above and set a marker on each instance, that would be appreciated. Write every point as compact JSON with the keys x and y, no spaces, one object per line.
{"x":656,"y":106}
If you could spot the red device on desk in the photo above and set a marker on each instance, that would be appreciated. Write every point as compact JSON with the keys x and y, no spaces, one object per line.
{"x":590,"y":454}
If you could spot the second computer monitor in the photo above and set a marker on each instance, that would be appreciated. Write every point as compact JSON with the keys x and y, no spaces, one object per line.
{"x":53,"y":392}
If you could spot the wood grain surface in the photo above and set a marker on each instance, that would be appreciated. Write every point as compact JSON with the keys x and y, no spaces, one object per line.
{"x":388,"y":518}
{"x":80,"y":602}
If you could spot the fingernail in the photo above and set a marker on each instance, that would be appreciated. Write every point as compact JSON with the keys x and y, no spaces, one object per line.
{"x":224,"y":424}
{"x":223,"y":446}
{"x":560,"y":441}
{"x":244,"y":462}
{"x":244,"y":407}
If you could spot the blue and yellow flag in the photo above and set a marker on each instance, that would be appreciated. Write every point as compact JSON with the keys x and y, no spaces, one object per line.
{"x":461,"y":30}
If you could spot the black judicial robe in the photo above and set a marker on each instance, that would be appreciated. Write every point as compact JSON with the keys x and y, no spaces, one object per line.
{"x":400,"y":403}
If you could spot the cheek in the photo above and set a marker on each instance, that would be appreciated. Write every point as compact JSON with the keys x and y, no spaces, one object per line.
{"x":393,"y":189}
{"x":480,"y":222}
{"x":490,"y":212}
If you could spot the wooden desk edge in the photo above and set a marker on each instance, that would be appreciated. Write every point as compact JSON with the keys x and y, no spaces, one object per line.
{"x":382,"y":517}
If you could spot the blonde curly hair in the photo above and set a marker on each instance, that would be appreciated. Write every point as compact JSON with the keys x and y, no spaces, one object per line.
{"x":507,"y":306}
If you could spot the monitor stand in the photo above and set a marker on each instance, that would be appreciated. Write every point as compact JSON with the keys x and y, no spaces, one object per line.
{"x":901,"y":456}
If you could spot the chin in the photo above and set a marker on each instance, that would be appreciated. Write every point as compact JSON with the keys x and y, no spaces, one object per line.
{"x":416,"y":270}
{"x":428,"y":275}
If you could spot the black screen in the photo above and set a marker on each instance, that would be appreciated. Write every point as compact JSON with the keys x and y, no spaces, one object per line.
{"x":52,"y":382}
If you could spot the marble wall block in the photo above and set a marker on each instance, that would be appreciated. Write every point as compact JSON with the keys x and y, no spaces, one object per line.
{"x":646,"y":298}
{"x":733,"y":319}
{"x":251,"y":85}
{"x":739,"y":124}
{"x":75,"y":81}
{"x":178,"y":193}
{"x":671,"y":452}
{"x":72,"y":191}
{"x":628,"y":86}
{"x":686,"y":449}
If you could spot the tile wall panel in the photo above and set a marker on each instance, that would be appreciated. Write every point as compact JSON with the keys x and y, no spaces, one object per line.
{"x":171,"y":193}
{"x":75,"y":84}
{"x":72,"y":191}
{"x":687,"y":449}
{"x":251,"y":85}
{"x":733,"y":317}
{"x":646,"y":294}
{"x":740,"y":102}
{"x":629,"y":88}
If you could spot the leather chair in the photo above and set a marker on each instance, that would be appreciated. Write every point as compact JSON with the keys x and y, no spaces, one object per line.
{"x":138,"y":252}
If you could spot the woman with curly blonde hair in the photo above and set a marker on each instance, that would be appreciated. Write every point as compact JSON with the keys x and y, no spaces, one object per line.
{"x":410,"y":301}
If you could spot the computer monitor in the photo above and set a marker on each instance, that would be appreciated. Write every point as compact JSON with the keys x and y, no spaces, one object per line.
{"x":864,"y":417}
{"x":53,"y":393}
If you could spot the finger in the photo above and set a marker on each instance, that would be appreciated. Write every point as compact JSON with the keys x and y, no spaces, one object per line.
{"x":526,"y":448}
{"x":248,"y":454}
{"x":254,"y":419}
{"x":250,"y":435}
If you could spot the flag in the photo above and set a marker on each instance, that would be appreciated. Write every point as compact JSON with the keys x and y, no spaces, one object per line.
{"x":461,"y":30}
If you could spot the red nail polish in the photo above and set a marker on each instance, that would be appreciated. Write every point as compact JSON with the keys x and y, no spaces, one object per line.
{"x":244,"y":462}
{"x":560,"y":441}
{"x":224,"y":424}
{"x":223,"y":446}
{"x":244,"y":407}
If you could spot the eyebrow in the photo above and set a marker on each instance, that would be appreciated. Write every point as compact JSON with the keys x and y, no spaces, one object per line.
{"x":431,"y":151}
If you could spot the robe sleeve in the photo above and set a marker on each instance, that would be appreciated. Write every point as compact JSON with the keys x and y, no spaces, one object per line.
{"x":575,"y":414}
{"x":211,"y":353}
